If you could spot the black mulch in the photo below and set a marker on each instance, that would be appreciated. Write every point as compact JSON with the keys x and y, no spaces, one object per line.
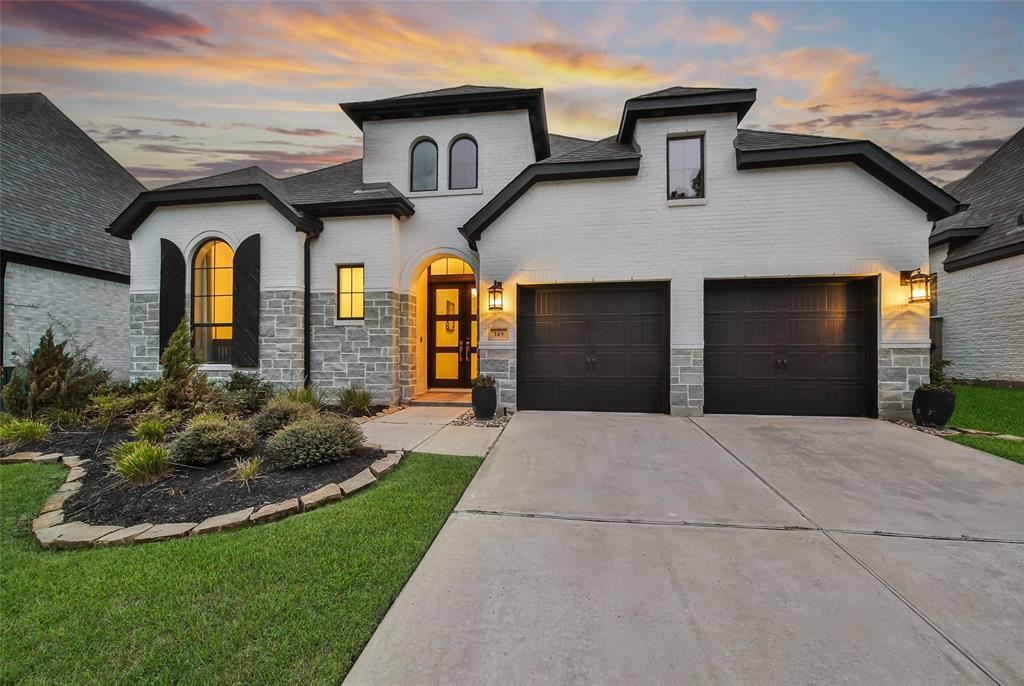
{"x":189,"y":493}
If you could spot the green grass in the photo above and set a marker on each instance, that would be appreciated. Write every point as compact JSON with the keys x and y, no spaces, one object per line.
{"x":1011,"y":450}
{"x":989,"y":409}
{"x":286,"y":603}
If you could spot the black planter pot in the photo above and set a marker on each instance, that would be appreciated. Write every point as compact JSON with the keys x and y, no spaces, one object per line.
{"x":933,"y":406}
{"x":485,"y":401}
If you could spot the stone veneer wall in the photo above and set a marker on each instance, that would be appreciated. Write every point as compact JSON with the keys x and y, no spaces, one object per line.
{"x":361,"y":353}
{"x":900,"y":372}
{"x":501,"y":364}
{"x":407,"y":345}
{"x":686,"y":382}
{"x":280,"y":347}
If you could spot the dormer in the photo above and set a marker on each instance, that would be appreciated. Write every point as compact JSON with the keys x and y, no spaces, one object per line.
{"x":454,"y":141}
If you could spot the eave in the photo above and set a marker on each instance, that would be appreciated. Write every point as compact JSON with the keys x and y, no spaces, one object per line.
{"x":920,"y":191}
{"x":739,"y":101}
{"x":1000,"y":253}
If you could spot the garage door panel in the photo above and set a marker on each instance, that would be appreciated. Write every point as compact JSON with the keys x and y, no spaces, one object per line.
{"x":601,"y":347}
{"x":786,"y":347}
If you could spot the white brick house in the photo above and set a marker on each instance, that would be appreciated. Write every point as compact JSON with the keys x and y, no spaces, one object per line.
{"x":682,"y":265}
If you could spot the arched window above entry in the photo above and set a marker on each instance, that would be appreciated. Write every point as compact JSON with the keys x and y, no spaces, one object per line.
{"x":212,"y":301}
{"x":423,"y":166}
{"x":462,"y":163}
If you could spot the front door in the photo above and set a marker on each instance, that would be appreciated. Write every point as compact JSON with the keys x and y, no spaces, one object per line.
{"x":451,"y":334}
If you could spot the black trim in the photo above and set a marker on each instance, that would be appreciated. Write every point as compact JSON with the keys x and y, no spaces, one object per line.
{"x":869,"y":157}
{"x":955,"y":234}
{"x":476,"y":162}
{"x":535,"y":173}
{"x":668,"y":164}
{"x":992,"y":255}
{"x":337,"y":291}
{"x":739,"y":101}
{"x":529,"y":99}
{"x":245,"y":304}
{"x":307,"y":319}
{"x":132,"y":217}
{"x":172,"y":290}
{"x":437,"y":158}
{"x":397,"y":206}
{"x":65,"y":267}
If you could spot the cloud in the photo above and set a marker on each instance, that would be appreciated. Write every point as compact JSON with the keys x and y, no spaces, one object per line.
{"x":113,"y":21}
{"x":188,"y":123}
{"x":299,"y":132}
{"x":122,"y":133}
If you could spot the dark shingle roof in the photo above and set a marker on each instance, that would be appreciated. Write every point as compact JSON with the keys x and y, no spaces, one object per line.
{"x":604,"y":149}
{"x":563,"y":144}
{"x":684,"y":91}
{"x":58,"y":188}
{"x":749,"y":139}
{"x":995,"y":193}
{"x":454,"y":90}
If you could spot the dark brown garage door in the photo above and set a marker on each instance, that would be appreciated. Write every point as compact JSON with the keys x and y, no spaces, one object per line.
{"x":789,"y":347}
{"x":600,"y":347}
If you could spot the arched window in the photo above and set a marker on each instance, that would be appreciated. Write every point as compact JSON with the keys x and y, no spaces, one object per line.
{"x":424,"y":166}
{"x":212,"y":306}
{"x":462,"y":163}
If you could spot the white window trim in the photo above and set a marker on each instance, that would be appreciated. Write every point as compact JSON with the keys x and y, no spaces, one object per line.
{"x":688,"y":202}
{"x":448,"y":191}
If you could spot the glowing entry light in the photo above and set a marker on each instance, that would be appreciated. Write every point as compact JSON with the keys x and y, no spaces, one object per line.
{"x":494,"y":297}
{"x":920,"y":285}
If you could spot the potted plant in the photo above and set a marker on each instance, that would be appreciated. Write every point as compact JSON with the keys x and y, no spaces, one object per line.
{"x":934,"y":402}
{"x":485,"y":396}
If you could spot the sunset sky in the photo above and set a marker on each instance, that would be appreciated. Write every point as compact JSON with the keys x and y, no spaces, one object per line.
{"x":177,"y":90}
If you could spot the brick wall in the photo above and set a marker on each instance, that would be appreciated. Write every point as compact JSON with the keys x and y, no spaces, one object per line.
{"x":93,"y":311}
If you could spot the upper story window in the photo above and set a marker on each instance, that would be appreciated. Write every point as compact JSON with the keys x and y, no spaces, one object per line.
{"x":212,"y":301}
{"x":686,"y":167}
{"x":424,"y":166}
{"x":462,"y":161}
{"x":350,"y":291}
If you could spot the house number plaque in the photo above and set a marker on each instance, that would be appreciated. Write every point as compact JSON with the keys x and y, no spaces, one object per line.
{"x":498,"y":334}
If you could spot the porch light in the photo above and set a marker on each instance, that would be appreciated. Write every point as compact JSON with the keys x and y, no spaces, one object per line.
{"x":494,"y":297}
{"x":920,"y":285}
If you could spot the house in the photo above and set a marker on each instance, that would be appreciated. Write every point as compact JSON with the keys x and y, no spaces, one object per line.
{"x":682,"y":265}
{"x":59,"y":190}
{"x":977,"y":259}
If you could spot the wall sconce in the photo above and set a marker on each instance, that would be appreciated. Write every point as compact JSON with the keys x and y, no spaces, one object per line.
{"x":920,"y":285}
{"x":494,"y":297}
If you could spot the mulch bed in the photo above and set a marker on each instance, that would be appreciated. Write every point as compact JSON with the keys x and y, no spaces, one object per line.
{"x":190,"y":493}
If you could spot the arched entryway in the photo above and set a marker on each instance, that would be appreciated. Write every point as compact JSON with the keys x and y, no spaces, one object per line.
{"x":452,"y":310}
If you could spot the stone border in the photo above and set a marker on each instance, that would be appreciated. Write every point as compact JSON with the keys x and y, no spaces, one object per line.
{"x":53,"y":533}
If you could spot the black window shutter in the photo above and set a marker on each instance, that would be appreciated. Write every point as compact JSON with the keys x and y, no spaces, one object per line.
{"x":172,"y":290}
{"x":245,"y":340}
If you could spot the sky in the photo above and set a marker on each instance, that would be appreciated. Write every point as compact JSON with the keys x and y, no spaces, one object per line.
{"x":177,"y":90}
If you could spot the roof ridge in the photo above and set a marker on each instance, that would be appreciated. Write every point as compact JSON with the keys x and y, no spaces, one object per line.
{"x":802,"y":135}
{"x":314,"y":171}
{"x":215,"y":176}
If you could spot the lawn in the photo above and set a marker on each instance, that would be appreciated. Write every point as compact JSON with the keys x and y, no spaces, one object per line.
{"x":286,"y":603}
{"x":990,"y":409}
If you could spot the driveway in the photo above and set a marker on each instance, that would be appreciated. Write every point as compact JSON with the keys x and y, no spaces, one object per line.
{"x":641,"y":549}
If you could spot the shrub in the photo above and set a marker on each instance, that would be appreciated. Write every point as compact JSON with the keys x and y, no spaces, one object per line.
{"x":141,"y":462}
{"x":208,"y":441}
{"x":64,"y":418}
{"x":248,"y":393}
{"x":17,"y":431}
{"x":355,"y":400}
{"x":56,"y":375}
{"x":153,"y":429}
{"x":108,"y":408}
{"x":314,"y":441}
{"x":278,"y":414}
{"x":206,"y":418}
{"x":483,"y":381}
{"x":312,"y":395}
{"x":247,"y":470}
{"x":182,"y":384}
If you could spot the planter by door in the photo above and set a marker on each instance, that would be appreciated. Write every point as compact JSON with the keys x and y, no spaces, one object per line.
{"x":485,"y":401}
{"x":933,"y":406}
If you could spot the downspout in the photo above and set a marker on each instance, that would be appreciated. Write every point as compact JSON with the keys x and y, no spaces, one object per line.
{"x":307,"y":300}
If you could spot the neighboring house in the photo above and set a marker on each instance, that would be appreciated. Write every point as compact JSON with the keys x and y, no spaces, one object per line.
{"x":977,"y":257}
{"x":58,"y":192}
{"x":682,"y":265}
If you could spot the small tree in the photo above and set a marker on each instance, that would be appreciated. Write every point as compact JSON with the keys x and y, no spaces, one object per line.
{"x":182,"y":383}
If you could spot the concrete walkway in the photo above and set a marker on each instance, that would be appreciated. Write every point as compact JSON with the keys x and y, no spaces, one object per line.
{"x":612,"y":549}
{"x":426,"y":429}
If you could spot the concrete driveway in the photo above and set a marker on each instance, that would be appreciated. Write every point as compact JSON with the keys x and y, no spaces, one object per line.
{"x":640,"y":549}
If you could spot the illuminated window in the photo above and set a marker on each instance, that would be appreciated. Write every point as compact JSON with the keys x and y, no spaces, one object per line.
{"x":212,"y":301}
{"x":686,"y":167}
{"x":462,"y":164}
{"x":424,"y":166}
{"x":350,"y":291}
{"x":449,"y":266}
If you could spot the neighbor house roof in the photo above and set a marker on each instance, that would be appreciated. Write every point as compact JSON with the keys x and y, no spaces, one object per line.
{"x":58,"y":189}
{"x":762,"y":149}
{"x":459,"y":100}
{"x":991,"y":227}
{"x":302,"y":199}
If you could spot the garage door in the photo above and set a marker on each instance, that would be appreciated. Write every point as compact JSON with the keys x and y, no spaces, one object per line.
{"x":600,"y":347}
{"x":789,"y":347}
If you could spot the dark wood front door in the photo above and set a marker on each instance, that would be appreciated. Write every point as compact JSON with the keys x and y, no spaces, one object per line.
{"x":598,"y":347}
{"x":451,"y":334}
{"x":789,"y":346}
